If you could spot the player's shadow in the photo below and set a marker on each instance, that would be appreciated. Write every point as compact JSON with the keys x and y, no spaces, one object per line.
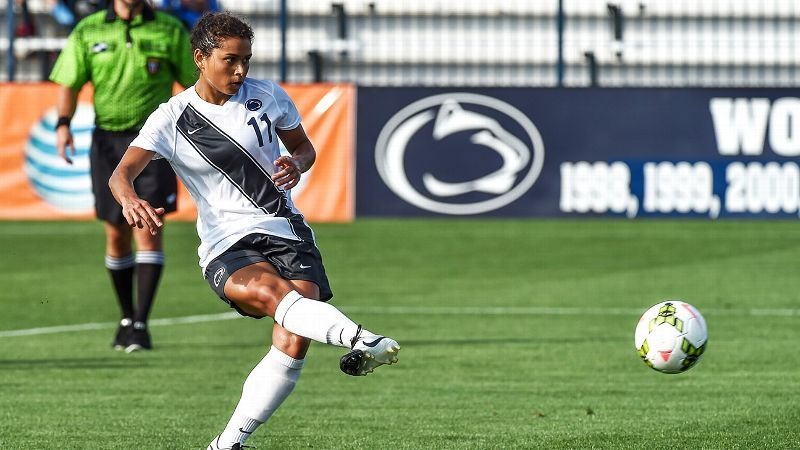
{"x":71,"y":363}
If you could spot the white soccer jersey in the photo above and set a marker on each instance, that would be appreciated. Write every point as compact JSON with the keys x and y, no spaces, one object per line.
{"x":224,"y":156}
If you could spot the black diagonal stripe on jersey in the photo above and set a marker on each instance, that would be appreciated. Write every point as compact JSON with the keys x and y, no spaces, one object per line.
{"x":250,"y":178}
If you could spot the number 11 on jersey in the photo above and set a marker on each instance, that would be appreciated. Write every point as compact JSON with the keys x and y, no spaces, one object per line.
{"x":254,"y":123}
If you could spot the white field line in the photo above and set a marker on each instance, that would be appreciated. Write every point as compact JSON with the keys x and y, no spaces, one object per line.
{"x":410,"y":310}
{"x":110,"y":325}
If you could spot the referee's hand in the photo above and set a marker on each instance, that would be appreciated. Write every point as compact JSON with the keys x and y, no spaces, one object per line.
{"x":64,"y":142}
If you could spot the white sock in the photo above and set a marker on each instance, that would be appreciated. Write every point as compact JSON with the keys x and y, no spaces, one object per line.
{"x":315,"y":320}
{"x":267,"y":386}
{"x":115,"y":263}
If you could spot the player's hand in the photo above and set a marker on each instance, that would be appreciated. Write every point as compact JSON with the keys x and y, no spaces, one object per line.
{"x":288,"y":174}
{"x":64,"y":143}
{"x":138,"y":213}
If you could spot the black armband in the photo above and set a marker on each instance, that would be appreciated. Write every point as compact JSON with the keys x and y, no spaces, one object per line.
{"x":63,"y":120}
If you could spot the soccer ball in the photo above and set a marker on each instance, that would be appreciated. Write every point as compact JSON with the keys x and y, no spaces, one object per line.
{"x":671,"y":336}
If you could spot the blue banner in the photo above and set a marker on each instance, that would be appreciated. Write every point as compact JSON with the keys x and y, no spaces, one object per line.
{"x":631,"y":152}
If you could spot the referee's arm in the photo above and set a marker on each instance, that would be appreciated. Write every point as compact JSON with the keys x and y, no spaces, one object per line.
{"x":67,"y":102}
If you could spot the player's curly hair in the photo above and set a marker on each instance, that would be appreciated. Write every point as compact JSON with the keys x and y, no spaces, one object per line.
{"x":213,"y":28}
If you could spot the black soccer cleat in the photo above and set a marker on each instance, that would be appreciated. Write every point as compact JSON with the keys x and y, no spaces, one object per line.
{"x":351,"y":362}
{"x":369,"y":353}
{"x":214,"y":445}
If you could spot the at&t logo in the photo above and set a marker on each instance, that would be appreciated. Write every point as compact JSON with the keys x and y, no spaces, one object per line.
{"x":459,"y":153}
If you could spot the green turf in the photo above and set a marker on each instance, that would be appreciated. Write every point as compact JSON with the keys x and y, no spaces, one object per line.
{"x":520,"y":377}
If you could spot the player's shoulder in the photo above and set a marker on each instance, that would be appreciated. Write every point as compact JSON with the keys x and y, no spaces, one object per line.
{"x":181,"y":99}
{"x":262,"y":87}
{"x":175,"y":106}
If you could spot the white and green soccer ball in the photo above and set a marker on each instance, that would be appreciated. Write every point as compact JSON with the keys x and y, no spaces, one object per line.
{"x":671,"y":336}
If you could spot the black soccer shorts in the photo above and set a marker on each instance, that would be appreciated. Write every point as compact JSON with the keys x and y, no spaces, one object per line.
{"x":157,"y":183}
{"x":294,"y":260}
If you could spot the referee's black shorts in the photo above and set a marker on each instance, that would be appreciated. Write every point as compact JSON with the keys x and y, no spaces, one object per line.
{"x":294,"y":260}
{"x":156,"y":184}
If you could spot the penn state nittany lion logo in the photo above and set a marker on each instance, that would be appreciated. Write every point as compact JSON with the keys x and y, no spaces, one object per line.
{"x":253,"y":104}
{"x":218,"y":276}
{"x":507,"y":149}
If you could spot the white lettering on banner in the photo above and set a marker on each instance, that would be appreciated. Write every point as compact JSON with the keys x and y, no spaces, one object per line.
{"x":756,"y":188}
{"x":784,"y":126}
{"x":680,"y":187}
{"x":740,"y":125}
{"x":597,"y":187}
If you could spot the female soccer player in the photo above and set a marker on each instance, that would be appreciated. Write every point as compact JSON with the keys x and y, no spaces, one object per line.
{"x":257,"y":252}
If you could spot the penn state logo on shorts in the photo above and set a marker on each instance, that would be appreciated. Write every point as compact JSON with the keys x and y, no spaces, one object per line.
{"x":218,"y":276}
{"x":503,"y":147}
{"x":153,"y":66}
{"x":253,"y":104}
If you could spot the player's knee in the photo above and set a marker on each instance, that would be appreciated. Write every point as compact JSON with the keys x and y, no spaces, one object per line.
{"x":266,"y":298}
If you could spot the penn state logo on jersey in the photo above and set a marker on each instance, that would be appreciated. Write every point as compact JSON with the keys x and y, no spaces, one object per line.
{"x":500,"y":153}
{"x":253,"y":104}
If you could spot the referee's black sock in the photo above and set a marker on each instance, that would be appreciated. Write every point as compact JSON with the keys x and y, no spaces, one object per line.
{"x":121,"y":271}
{"x":149,"y":265}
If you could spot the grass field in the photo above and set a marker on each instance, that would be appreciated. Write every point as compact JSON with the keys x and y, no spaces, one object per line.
{"x":515,"y":334}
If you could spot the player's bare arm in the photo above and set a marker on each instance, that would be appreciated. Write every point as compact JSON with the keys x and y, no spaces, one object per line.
{"x":303,"y":156}
{"x":137,"y":211}
{"x":67,"y":102}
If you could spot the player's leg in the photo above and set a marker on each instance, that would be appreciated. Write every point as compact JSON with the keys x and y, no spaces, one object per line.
{"x":259,"y":290}
{"x":106,"y":151}
{"x":256,"y":289}
{"x":156,"y":184}
{"x":149,"y":266}
{"x":120,"y":262}
{"x":270,"y":382}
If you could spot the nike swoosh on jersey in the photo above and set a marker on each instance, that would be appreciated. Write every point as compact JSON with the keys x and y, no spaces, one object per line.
{"x":195,"y":130}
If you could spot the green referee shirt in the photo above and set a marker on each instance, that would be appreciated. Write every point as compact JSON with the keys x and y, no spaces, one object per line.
{"x":132,"y":64}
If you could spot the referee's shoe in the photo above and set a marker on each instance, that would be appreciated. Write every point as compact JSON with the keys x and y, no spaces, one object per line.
{"x":123,"y":334}
{"x":368,"y":353}
{"x":139,"y":338}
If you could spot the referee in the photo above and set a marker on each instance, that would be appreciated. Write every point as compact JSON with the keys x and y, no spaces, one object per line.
{"x":132,"y":55}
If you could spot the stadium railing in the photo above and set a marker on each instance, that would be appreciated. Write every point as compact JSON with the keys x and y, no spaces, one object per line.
{"x":509,"y":43}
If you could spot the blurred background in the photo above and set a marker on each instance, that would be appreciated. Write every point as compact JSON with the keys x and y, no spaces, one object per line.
{"x":475,"y":42}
